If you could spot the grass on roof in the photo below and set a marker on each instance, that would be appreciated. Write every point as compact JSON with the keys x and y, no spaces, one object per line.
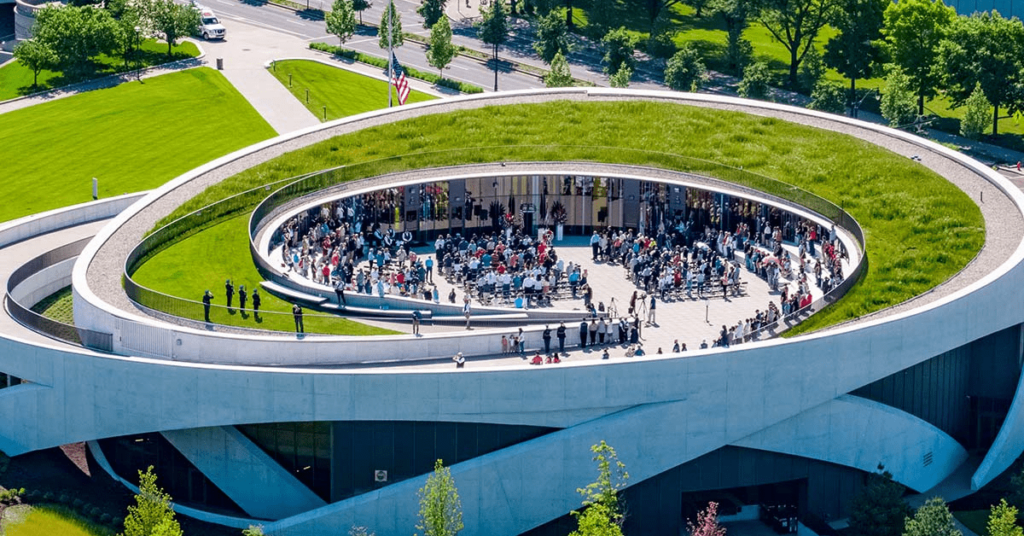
{"x":343,"y":92}
{"x":920,"y":229}
{"x":132,"y":137}
{"x":47,"y":520}
{"x":57,"y":306}
{"x":16,"y":79}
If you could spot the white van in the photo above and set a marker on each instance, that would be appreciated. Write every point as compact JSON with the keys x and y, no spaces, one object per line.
{"x":209,"y":26}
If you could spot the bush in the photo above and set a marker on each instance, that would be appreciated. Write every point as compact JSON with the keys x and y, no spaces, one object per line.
{"x":898,"y":104}
{"x":63,"y":498}
{"x":409,"y":71}
{"x":95,"y":513}
{"x":661,"y":45}
{"x":77,"y":504}
{"x":977,"y":114}
{"x":48,"y":496}
{"x":757,"y":78}
{"x":105,"y":519}
{"x":828,"y":97}
{"x":685,"y":71}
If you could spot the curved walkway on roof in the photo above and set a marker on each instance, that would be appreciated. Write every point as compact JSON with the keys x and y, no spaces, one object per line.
{"x":658,"y":412}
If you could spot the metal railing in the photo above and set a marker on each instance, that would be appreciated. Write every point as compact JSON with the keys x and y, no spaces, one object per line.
{"x":47,"y":326}
{"x":266,"y":202}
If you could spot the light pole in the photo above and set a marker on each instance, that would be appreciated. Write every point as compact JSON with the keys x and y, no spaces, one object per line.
{"x":855,"y":106}
{"x":138,"y":46}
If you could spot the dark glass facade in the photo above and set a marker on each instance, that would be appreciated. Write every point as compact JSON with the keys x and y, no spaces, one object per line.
{"x":303,"y":448}
{"x":6,"y":380}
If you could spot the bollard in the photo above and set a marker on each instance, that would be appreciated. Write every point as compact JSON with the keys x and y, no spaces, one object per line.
{"x":289,"y":79}
{"x":95,"y":188}
{"x":307,"y":95}
{"x":325,"y":113}
{"x":220,"y":64}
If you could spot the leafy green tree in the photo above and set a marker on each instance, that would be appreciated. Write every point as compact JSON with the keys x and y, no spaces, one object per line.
{"x":757,"y":80}
{"x":913,"y":30}
{"x":152,"y":511}
{"x":390,"y":24}
{"x":431,"y":11}
{"x":879,"y":510}
{"x":552,"y":37}
{"x":975,"y":119}
{"x":897,"y":103}
{"x":253,"y":530}
{"x":811,"y":70}
{"x":360,"y":6}
{"x":736,"y":16}
{"x":441,"y":51}
{"x":341,"y":21}
{"x":618,"y":51}
{"x":932,"y":519}
{"x":795,"y":24}
{"x":855,"y":50}
{"x":603,"y":514}
{"x":621,"y":77}
{"x":493,"y":30}
{"x":1003,"y":520}
{"x":984,"y":49}
{"x":685,"y":71}
{"x":174,"y":21}
{"x":36,"y":56}
{"x":75,"y":35}
{"x":440,"y":508}
{"x":828,"y":97}
{"x":132,"y":20}
{"x":560,"y":75}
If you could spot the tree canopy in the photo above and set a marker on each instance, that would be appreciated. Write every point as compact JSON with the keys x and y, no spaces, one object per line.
{"x":441,"y":51}
{"x":431,"y":11}
{"x":390,"y":24}
{"x":440,"y":508}
{"x":560,"y":75}
{"x":879,"y":509}
{"x":931,"y":519}
{"x":856,"y":49}
{"x":152,"y":513}
{"x":341,"y":21}
{"x":618,"y":51}
{"x":552,"y":37}
{"x":685,"y":70}
{"x":913,"y":30}
{"x":795,"y":24}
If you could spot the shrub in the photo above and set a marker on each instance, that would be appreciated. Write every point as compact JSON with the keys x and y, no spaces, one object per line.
{"x":48,"y":496}
{"x":105,"y":519}
{"x":757,"y":77}
{"x":661,"y":45}
{"x":409,"y":71}
{"x":77,"y":504}
{"x":685,"y":71}
{"x":977,"y":115}
{"x":95,"y":512}
{"x":828,"y":97}
{"x":117,"y":522}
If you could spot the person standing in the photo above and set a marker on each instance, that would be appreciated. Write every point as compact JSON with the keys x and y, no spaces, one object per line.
{"x":430,"y":269}
{"x":297,"y":313}
{"x":583,"y":333}
{"x":595,"y":244}
{"x":561,"y":338}
{"x":602,"y":328}
{"x":650,"y":312}
{"x":459,"y":360}
{"x":340,"y":292}
{"x":416,"y":316}
{"x":207,"y":299}
{"x":547,"y":340}
{"x":467,"y":309}
{"x":229,"y":291}
{"x":256,"y":301}
{"x":593,"y":332}
{"x":242,"y":295}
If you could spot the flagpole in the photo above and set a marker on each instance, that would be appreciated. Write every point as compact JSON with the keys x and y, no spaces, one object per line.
{"x":389,"y":15}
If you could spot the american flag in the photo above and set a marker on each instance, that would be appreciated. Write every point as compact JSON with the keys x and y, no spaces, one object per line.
{"x":398,"y":80}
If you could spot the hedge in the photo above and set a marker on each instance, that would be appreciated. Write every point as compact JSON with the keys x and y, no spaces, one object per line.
{"x":409,"y":71}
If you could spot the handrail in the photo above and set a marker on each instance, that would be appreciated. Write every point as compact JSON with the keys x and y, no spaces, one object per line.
{"x":299,"y":186}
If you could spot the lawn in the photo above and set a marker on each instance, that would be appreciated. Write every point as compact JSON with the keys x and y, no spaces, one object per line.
{"x":57,"y":306}
{"x":223,"y":256}
{"x":920,"y":228}
{"x":132,"y":137}
{"x":16,"y":79}
{"x":343,"y":92}
{"x":51,"y":521}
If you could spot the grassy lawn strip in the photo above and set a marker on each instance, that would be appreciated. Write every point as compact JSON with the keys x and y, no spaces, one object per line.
{"x":52,"y":521}
{"x":16,"y":79}
{"x":57,"y":306}
{"x":220,"y":255}
{"x":344,"y":93}
{"x":920,"y":228}
{"x":132,"y":137}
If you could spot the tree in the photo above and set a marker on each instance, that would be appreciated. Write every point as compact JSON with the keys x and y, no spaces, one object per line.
{"x":828,"y":97}
{"x":984,"y":49}
{"x":811,"y":70}
{"x":932,"y":519}
{"x":75,"y":35}
{"x":855,"y":50}
{"x":972,"y":126}
{"x":253,"y":530}
{"x":341,"y":21}
{"x":552,"y":37}
{"x":152,"y":510}
{"x":879,"y":510}
{"x":707,"y":522}
{"x":621,"y":77}
{"x":913,"y":30}
{"x":795,"y":24}
{"x":735,"y":14}
{"x":132,"y":19}
{"x":618,"y":51}
{"x":431,"y":11}
{"x":390,"y":24}
{"x":685,"y":70}
{"x":656,"y":7}
{"x":359,"y":6}
{"x":440,"y":509}
{"x":757,"y":79}
{"x":560,"y":76}
{"x":1003,"y":520}
{"x":174,"y":21}
{"x":441,"y":51}
{"x":493,"y":30}
{"x":601,"y":497}
{"x":36,"y":56}
{"x":898,"y":98}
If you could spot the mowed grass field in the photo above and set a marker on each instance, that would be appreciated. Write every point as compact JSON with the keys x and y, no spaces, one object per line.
{"x":920,"y":228}
{"x":221,"y":252}
{"x":132,"y":137}
{"x":49,"y":521}
{"x":16,"y":79}
{"x":344,"y":93}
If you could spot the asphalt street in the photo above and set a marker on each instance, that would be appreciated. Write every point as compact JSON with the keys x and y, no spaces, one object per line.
{"x":273,"y":18}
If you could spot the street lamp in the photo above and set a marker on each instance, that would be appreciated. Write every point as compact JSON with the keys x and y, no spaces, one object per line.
{"x":855,"y":106}
{"x":138,"y":59}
